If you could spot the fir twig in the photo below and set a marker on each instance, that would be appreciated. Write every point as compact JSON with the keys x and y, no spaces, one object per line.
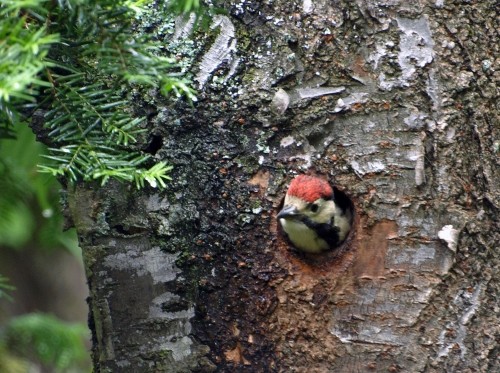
{"x":76,"y":60}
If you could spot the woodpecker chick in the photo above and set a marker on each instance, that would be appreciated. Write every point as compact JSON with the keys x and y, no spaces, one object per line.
{"x":311,"y":217}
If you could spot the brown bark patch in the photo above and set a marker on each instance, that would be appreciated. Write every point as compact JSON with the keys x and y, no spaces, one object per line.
{"x":318,"y":286}
{"x":260,"y":179}
{"x":236,"y":355}
{"x":305,"y":297}
{"x":372,"y":248}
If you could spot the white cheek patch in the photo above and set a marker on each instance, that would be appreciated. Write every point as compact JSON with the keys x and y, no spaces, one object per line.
{"x":303,"y":237}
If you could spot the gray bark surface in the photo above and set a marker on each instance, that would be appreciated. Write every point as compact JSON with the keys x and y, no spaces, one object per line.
{"x":396,"y":103}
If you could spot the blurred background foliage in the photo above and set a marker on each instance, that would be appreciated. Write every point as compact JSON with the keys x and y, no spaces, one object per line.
{"x":29,"y":202}
{"x":43,"y":341}
{"x":41,"y":274}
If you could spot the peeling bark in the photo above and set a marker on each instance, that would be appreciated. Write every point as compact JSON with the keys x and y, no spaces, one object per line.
{"x":396,"y":104}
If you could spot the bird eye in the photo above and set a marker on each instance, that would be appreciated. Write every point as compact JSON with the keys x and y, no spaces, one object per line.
{"x":314,"y":207}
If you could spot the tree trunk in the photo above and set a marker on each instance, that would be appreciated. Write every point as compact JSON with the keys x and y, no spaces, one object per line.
{"x":393,"y":103}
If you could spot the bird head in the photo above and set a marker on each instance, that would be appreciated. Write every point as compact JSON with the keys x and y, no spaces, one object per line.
{"x":308,"y":196}
{"x":311,"y":219}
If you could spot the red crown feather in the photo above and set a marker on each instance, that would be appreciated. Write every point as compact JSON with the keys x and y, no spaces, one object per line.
{"x":310,"y":188}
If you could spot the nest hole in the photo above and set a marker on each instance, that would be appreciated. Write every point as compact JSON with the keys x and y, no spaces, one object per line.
{"x":155,"y":144}
{"x":345,"y":203}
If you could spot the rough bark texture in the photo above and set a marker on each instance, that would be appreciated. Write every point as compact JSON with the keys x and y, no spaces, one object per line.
{"x":395,"y":103}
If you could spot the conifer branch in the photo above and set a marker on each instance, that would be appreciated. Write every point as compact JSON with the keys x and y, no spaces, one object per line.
{"x":75,"y":61}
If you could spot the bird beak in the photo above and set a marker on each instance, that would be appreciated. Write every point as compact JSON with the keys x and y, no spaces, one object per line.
{"x":287,"y":212}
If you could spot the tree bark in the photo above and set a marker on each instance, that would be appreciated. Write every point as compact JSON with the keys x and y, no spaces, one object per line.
{"x":396,"y":104}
